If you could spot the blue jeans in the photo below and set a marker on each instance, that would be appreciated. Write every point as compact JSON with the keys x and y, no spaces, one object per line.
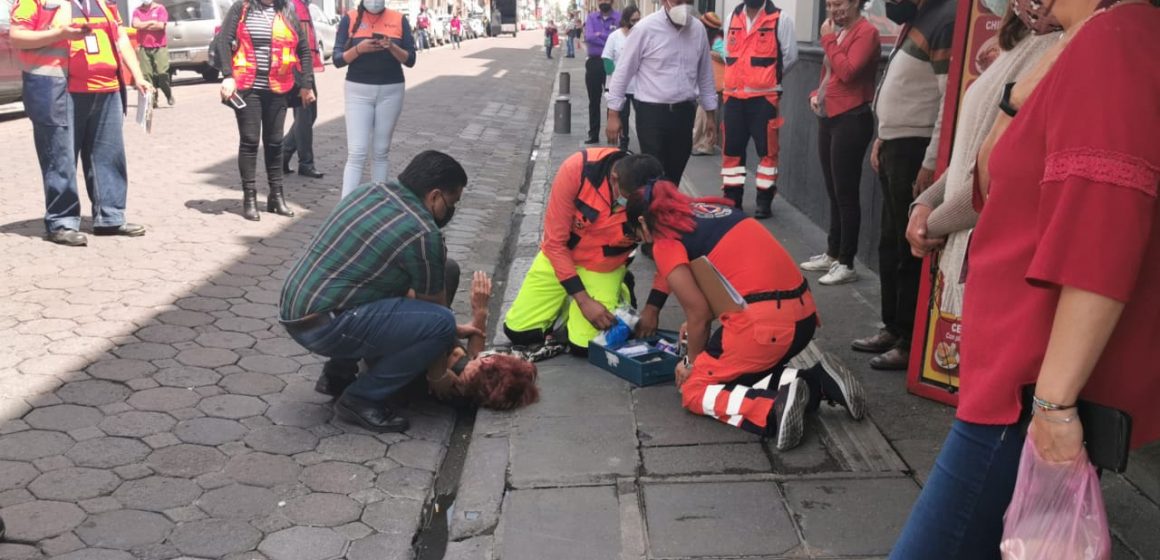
{"x":97,"y":138}
{"x":398,"y":337}
{"x":959,"y":514}
{"x":571,"y":45}
{"x":50,"y":108}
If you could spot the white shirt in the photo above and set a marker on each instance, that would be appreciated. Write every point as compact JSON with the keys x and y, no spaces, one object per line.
{"x":612,"y":49}
{"x":785,"y":38}
{"x":670,"y":64}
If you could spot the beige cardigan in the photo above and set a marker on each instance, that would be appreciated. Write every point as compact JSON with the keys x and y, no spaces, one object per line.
{"x":954,"y":215}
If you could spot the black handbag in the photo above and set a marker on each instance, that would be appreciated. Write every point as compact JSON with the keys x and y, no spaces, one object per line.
{"x":1107,"y":431}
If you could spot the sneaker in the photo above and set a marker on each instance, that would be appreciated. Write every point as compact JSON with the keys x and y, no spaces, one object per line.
{"x":789,"y":412}
{"x":839,"y":274}
{"x":819,"y":263}
{"x":839,"y":386}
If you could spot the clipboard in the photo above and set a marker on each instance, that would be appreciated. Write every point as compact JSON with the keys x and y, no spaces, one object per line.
{"x":722,"y":296}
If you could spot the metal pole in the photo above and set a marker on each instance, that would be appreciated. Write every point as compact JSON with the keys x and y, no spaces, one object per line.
{"x":563,"y":119}
{"x":565,"y":83}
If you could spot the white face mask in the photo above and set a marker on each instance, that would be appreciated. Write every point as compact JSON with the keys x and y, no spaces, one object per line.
{"x":679,"y":14}
{"x":375,"y":6}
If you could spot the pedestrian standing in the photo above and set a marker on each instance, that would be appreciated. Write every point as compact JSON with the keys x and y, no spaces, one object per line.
{"x":572,"y":29}
{"x":600,"y":25}
{"x":668,"y":54}
{"x":423,"y":22}
{"x":845,"y":129}
{"x":762,"y":45}
{"x":612,"y":49}
{"x":375,"y":43}
{"x":704,"y":142}
{"x":456,"y":29}
{"x":909,"y":106}
{"x":72,"y":73}
{"x":271,"y":62}
{"x":149,"y":19}
{"x":551,"y":36}
{"x":300,"y":137}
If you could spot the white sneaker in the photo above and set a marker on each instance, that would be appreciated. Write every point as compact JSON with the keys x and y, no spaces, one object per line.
{"x":819,"y":263}
{"x":839,"y":274}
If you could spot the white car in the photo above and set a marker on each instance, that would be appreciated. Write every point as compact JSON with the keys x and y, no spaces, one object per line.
{"x":324,"y":30}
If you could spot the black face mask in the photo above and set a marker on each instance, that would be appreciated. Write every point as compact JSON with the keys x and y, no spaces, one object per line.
{"x":449,"y":212}
{"x":605,"y":8}
{"x":901,"y":13}
{"x":754,"y":4}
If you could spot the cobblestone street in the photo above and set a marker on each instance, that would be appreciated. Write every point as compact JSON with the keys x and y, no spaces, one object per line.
{"x":150,"y":404}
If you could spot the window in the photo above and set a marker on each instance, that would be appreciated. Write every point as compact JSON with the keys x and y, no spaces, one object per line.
{"x":189,"y":10}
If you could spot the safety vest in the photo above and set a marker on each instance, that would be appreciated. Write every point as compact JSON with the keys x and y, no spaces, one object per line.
{"x":302,"y":10}
{"x":600,"y":229}
{"x":388,"y":24}
{"x":754,"y":65}
{"x":283,"y":55}
{"x":48,"y":60}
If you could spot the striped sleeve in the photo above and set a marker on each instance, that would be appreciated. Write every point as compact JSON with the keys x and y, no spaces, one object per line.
{"x":425,"y":262}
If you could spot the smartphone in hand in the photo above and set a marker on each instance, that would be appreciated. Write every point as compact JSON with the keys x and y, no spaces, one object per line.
{"x":237,"y":101}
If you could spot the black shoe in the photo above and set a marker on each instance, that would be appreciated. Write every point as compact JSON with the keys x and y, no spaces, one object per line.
{"x":834,"y":383}
{"x":764,"y":203}
{"x":374,"y":417}
{"x":735,"y":194}
{"x":171,"y":101}
{"x":286,"y":166}
{"x":276,"y":203}
{"x":250,"y":205}
{"x":592,"y":140}
{"x":336,"y":377}
{"x":789,"y":411}
{"x":124,"y":230}
{"x":310,"y":172}
{"x":876,"y":344}
{"x":68,"y":238}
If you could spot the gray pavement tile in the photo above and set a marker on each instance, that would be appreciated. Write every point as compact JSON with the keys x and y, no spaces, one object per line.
{"x":214,"y":538}
{"x":562,"y":524}
{"x":851,"y":517}
{"x":33,"y":444}
{"x":572,"y":387}
{"x":1135,"y":518}
{"x":381,"y":547}
{"x":323,"y":510}
{"x":74,"y":484}
{"x":36,"y":520}
{"x":662,"y":421}
{"x":567,"y":450}
{"x":124,"y":529}
{"x":735,"y":458}
{"x":186,"y":460}
{"x":481,"y":487}
{"x":338,"y":478}
{"x":717,"y":519}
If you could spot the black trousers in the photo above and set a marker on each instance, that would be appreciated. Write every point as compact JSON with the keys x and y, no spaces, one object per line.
{"x":625,"y":117}
{"x":594,"y":81}
{"x":300,"y":137}
{"x":665,"y":132}
{"x":899,"y":163}
{"x":842,"y":142}
{"x":263,"y":116}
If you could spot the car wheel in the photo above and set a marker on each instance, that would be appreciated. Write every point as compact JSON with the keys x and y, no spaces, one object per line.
{"x":210,"y":75}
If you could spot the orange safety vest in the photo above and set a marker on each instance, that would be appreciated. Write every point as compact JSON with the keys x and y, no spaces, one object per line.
{"x":283,"y":55}
{"x":48,"y":60}
{"x":600,"y":229}
{"x":389,"y":24}
{"x":754,"y":65}
{"x":85,"y":67}
{"x":302,"y":10}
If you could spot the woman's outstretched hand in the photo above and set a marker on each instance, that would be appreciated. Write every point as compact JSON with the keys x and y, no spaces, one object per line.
{"x":480,"y":294}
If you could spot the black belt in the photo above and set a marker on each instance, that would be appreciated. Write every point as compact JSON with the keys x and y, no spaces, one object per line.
{"x":670,"y":107}
{"x":797,"y":293}
{"x":311,"y":321}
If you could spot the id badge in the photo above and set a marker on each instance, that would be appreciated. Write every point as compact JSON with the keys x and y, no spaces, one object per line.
{"x":91,"y":45}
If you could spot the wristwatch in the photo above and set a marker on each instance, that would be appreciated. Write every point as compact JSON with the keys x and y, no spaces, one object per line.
{"x":1005,"y":102}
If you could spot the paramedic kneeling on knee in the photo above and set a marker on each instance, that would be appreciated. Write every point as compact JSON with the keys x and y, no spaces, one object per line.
{"x":738,"y":374}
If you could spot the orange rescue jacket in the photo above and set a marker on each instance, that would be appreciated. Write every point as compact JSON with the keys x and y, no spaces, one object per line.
{"x":753,"y":64}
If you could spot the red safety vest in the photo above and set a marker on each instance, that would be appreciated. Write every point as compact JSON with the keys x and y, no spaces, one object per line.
{"x":600,"y":229}
{"x":48,"y":60}
{"x":389,"y":24}
{"x":283,"y":55}
{"x":302,"y":10}
{"x":754,"y":65}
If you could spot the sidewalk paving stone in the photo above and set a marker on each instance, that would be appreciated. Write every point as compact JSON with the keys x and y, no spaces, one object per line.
{"x":717,"y":519}
{"x":562,"y":524}
{"x":851,"y":517}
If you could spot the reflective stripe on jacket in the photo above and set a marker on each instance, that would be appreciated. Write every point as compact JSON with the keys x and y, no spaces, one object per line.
{"x":283,"y":55}
{"x":753,"y":64}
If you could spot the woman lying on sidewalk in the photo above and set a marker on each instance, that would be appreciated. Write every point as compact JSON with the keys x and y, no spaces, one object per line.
{"x":738,"y":375}
{"x":484,"y":378}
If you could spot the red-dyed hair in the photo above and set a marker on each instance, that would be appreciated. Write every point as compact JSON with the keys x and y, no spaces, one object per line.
{"x":667,"y":211}
{"x":504,"y":382}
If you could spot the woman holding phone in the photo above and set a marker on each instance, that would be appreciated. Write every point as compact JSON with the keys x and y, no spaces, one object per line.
{"x":269,"y":61}
{"x":375,"y":43}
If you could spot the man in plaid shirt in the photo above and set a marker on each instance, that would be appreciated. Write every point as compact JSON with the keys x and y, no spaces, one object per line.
{"x":347,"y":298}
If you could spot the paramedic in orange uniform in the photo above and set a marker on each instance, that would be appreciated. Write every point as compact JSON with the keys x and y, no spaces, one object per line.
{"x":738,"y":375}
{"x":584,"y":252}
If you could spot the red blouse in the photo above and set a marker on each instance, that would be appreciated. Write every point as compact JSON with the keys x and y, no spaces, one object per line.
{"x":1073,"y":202}
{"x":853,"y":67}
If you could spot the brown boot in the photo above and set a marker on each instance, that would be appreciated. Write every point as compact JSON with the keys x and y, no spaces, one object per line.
{"x":895,"y":359}
{"x":876,"y":344}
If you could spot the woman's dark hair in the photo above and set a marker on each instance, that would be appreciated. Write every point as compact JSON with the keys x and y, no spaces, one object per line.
{"x":504,"y":382}
{"x":1012,"y":30}
{"x":431,"y":170}
{"x":626,"y":16}
{"x":634,"y":171}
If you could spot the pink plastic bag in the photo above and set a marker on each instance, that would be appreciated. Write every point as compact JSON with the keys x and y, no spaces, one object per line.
{"x":1057,"y":511}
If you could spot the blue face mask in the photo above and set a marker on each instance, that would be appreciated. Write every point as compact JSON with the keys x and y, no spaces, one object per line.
{"x":997,"y":7}
{"x":622,"y":202}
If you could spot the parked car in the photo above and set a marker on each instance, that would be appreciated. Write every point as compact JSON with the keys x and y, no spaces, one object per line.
{"x":324,"y":30}
{"x":10,"y":82}
{"x":477,"y":28}
{"x":438,"y":30}
{"x":193,"y":24}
